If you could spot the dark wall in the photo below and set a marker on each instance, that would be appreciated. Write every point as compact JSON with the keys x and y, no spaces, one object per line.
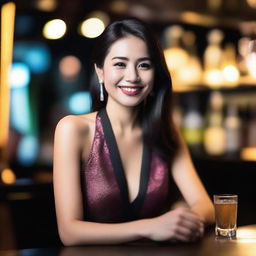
{"x":230,"y":176}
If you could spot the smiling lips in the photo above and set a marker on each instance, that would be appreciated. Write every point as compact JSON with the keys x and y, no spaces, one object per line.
{"x":131,"y":90}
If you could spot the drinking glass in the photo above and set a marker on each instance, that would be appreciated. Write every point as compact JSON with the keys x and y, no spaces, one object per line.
{"x":225,"y":215}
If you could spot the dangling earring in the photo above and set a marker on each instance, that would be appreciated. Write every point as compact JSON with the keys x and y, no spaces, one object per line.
{"x":101,"y":91}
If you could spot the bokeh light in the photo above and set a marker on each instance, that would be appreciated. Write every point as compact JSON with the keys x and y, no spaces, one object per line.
{"x":19,"y":75}
{"x":20,"y":118}
{"x":231,"y":74}
{"x":80,"y":103}
{"x":28,"y":150}
{"x":8,"y":176}
{"x":214,"y":77}
{"x":70,"y":67}
{"x":35,"y":55}
{"x":92,"y":27}
{"x":54,"y":29}
{"x":38,"y":59}
{"x":46,"y":5}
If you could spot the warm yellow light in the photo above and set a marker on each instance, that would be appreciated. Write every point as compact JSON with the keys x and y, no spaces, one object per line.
{"x":7,"y":32}
{"x":101,"y":16}
{"x":195,"y":18}
{"x":92,"y":27}
{"x":231,"y":74}
{"x":214,"y":140}
{"x":251,"y":3}
{"x":8,"y":176}
{"x":191,"y":73}
{"x":248,"y":154}
{"x":176,"y":58}
{"x":213,"y":77}
{"x":54,"y":29}
{"x":46,"y":5}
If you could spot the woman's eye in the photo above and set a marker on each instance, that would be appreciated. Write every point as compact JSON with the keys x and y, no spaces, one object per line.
{"x":145,"y":65}
{"x":119,"y":64}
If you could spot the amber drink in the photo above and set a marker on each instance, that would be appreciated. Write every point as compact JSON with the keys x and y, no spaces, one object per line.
{"x":225,"y":215}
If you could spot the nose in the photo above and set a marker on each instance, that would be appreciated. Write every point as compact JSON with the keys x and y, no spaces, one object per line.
{"x":132,"y":75}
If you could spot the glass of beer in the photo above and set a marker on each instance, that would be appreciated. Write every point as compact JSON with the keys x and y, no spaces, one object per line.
{"x":225,"y":215}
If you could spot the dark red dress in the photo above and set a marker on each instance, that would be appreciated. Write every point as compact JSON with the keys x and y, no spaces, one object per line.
{"x":104,"y":186}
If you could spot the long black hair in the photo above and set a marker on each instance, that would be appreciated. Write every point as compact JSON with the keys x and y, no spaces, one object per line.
{"x":155,"y":114}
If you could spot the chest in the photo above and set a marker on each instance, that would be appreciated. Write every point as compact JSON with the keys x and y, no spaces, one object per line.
{"x":123,"y":176}
{"x":131,"y":155}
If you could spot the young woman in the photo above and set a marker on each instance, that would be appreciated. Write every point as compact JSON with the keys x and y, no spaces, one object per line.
{"x":113,"y":167}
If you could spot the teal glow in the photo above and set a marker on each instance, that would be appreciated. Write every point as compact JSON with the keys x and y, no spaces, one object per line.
{"x":35,"y":55}
{"x":28,"y":150}
{"x":24,"y":24}
{"x":19,"y":117}
{"x":19,"y":75}
{"x":80,"y":103}
{"x":38,"y":58}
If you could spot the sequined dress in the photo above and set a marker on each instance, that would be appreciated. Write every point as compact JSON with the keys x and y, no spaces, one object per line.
{"x":104,"y":186}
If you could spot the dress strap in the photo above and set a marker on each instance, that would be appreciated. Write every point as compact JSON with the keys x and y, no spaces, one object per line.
{"x":130,"y":208}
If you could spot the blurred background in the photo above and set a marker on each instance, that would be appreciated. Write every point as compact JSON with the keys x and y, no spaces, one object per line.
{"x":210,"y":50}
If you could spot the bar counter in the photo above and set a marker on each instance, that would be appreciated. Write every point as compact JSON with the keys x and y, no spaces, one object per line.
{"x":244,"y":244}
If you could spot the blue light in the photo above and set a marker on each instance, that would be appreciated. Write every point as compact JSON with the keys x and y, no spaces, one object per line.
{"x":38,"y":58}
{"x":19,"y":75}
{"x":80,"y":103}
{"x":20,"y":119}
{"x":35,"y":55}
{"x":28,"y":150}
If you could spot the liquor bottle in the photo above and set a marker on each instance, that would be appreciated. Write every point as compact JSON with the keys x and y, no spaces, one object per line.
{"x":175,"y":54}
{"x":191,"y":73}
{"x":233,"y":128}
{"x":192,"y":126}
{"x":215,"y":135}
{"x":230,"y":71}
{"x":251,"y":58}
{"x":212,"y":59}
{"x":243,"y":52}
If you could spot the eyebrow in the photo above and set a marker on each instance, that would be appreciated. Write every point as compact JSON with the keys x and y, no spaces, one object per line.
{"x":125,"y":58}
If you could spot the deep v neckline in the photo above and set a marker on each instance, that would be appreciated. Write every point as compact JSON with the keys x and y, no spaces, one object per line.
{"x":130,"y":207}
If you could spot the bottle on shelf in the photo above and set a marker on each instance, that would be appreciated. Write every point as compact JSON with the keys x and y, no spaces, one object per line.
{"x":191,"y":73}
{"x":193,"y":125}
{"x":175,"y":54}
{"x":229,"y":67}
{"x":212,"y":59}
{"x":214,"y":134}
{"x":243,"y":51}
{"x":251,"y":58}
{"x":233,"y":130}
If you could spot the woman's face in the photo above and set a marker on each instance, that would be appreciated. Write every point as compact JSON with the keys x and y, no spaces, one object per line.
{"x":128,"y":72}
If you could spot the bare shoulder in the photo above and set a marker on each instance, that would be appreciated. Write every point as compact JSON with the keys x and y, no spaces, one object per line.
{"x":76,"y":124}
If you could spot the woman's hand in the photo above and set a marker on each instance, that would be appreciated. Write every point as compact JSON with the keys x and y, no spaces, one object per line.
{"x":176,"y":225}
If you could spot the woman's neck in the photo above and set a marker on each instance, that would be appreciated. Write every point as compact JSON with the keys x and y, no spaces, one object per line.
{"x":121,"y":117}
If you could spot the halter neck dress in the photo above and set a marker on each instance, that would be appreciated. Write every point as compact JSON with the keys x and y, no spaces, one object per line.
{"x":104,"y":185}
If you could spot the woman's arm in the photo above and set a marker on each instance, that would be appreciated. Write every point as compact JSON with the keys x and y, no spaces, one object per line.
{"x":69,"y":137}
{"x":180,"y":224}
{"x":190,"y":185}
